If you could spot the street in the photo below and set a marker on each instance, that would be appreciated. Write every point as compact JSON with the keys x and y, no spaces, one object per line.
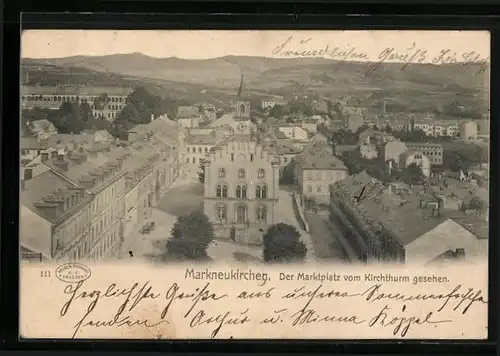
{"x":325,"y":244}
{"x":186,"y":195}
{"x":183,"y":197}
{"x":286,"y":214}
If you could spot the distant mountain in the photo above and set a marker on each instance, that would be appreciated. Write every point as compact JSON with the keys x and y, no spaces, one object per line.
{"x":225,"y":71}
{"x":417,"y":83}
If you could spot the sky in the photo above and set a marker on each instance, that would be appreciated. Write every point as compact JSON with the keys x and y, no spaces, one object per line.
{"x":393,"y":46}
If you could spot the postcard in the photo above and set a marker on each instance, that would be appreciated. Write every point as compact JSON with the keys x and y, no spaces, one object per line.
{"x":254,"y":184}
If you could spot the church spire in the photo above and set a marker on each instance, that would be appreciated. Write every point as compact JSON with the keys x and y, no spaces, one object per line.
{"x":241,"y":89}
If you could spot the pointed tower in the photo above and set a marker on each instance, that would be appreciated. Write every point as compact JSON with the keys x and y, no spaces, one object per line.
{"x":242,"y":105}
{"x":241,"y":89}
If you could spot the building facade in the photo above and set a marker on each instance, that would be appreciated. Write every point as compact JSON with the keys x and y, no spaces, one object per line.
{"x":294,"y":132}
{"x":468,"y":130}
{"x":392,"y":150}
{"x":106,"y":103}
{"x":271,"y":103}
{"x":242,"y":108}
{"x":198,"y":147}
{"x":55,"y":218}
{"x":433,"y":151}
{"x":315,"y":169}
{"x":241,"y":190}
{"x":416,"y":157}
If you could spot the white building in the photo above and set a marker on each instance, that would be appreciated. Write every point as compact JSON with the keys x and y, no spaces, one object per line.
{"x":294,"y":132}
{"x":416,"y":157}
{"x":468,"y":130}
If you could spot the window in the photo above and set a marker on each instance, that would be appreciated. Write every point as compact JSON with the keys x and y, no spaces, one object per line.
{"x":221,"y":213}
{"x":221,"y":190}
{"x":309,"y":188}
{"x":187,"y":150}
{"x":285,"y":159}
{"x":241,"y":191}
{"x":261,"y":192}
{"x":206,"y":149}
{"x":251,"y":157}
{"x":241,"y":173}
{"x":261,"y":173}
{"x":241,"y":214}
{"x":232,"y":156}
{"x":187,"y":160}
{"x":222,"y":173}
{"x":199,"y":149}
{"x":262,"y":214}
{"x":194,"y":160}
{"x":318,"y":189}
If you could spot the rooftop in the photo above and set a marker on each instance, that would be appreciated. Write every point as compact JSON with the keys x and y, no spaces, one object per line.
{"x":424,"y":144}
{"x":47,"y":186}
{"x":399,"y":212}
{"x":30,"y":143}
{"x":88,"y":171}
{"x":319,"y":156}
{"x":201,"y":140}
{"x":286,"y":147}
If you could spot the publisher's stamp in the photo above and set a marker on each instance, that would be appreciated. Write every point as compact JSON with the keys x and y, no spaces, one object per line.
{"x":73,"y":272}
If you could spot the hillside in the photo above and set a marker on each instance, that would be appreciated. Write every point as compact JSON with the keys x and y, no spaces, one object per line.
{"x":423,"y":85}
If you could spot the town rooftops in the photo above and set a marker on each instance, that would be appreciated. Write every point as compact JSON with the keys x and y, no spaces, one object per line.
{"x":319,"y":157}
{"x":52,"y":197}
{"x":423,"y":144}
{"x":30,"y":143}
{"x":286,"y":147}
{"x":76,"y":91}
{"x":203,"y":140}
{"x":400,"y":213}
{"x":91,"y":172}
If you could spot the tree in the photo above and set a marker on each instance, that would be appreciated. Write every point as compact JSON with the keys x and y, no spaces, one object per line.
{"x":413,"y":174}
{"x":277,"y":111}
{"x":201,"y":171}
{"x":415,"y":135}
{"x":190,"y":237}
{"x":478,"y":205}
{"x":68,"y":118}
{"x":282,"y":244}
{"x":102,"y":101}
{"x":86,"y":112}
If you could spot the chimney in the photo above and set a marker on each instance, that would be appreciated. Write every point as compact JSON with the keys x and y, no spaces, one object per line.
{"x":45,"y":156}
{"x":49,"y":209}
{"x":60,"y":156}
{"x":70,"y":153}
{"x":28,"y":174}
{"x":61,"y":163}
{"x":53,"y":154}
{"x":460,"y":253}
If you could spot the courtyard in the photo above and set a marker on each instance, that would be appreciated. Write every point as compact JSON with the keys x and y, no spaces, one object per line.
{"x":185,"y":196}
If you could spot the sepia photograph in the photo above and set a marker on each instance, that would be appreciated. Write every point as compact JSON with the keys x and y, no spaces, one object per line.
{"x":276,"y":164}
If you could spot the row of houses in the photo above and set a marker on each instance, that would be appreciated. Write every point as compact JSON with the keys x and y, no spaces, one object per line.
{"x":402,"y":224}
{"x":81,"y":201}
{"x":106,"y":103}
